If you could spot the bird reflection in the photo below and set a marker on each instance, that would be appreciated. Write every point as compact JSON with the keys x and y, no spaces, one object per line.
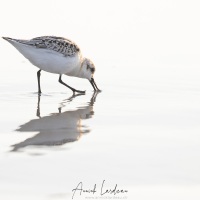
{"x":58,"y":128}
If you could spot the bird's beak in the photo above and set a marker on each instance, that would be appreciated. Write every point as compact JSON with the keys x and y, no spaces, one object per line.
{"x":94,"y":85}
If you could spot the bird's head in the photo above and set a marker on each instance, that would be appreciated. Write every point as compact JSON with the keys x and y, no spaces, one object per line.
{"x":88,"y":70}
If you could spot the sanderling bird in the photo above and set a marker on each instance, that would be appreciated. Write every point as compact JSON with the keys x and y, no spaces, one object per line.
{"x":56,"y":55}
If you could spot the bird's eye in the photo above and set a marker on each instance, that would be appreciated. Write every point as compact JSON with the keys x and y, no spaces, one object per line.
{"x":92,"y":70}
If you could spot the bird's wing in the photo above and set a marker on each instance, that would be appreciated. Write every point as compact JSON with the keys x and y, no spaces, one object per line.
{"x":58,"y":44}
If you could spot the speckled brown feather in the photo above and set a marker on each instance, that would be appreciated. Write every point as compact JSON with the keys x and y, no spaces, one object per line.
{"x":58,"y":44}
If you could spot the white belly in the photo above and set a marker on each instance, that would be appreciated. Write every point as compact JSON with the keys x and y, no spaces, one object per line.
{"x":49,"y":60}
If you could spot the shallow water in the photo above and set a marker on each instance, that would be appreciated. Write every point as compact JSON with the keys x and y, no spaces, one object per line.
{"x":141,"y":133}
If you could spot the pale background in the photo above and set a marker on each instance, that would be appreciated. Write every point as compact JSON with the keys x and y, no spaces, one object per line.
{"x":145,"y":133}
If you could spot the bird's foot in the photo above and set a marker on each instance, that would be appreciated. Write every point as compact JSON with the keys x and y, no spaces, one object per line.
{"x":78,"y":91}
{"x":98,"y":90}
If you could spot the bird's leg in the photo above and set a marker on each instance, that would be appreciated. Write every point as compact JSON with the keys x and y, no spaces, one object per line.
{"x":38,"y":107}
{"x":38,"y":78}
{"x":74,"y":90}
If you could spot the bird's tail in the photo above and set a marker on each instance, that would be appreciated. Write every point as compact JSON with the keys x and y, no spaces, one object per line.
{"x":7,"y":38}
